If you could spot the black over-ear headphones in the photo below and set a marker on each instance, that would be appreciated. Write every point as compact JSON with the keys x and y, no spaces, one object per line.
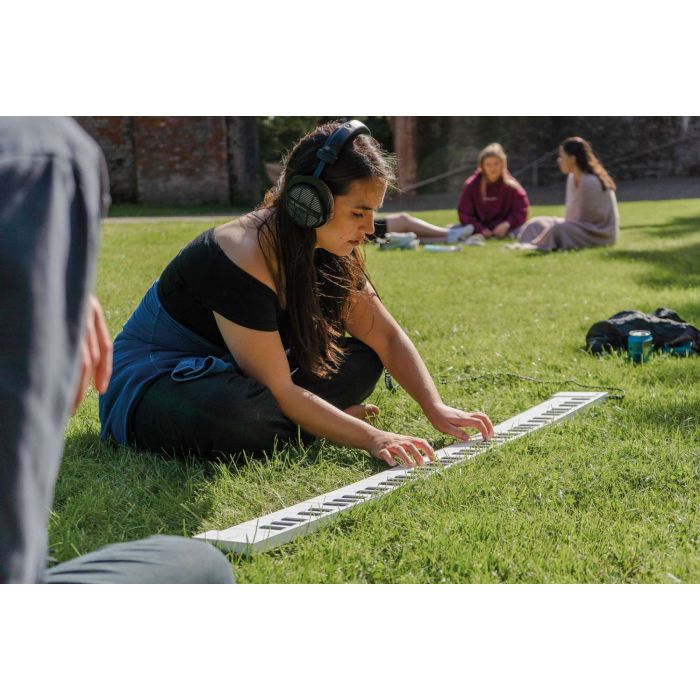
{"x":308,"y":199}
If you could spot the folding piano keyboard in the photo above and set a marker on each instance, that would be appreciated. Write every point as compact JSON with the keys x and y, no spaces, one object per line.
{"x":272,"y":530}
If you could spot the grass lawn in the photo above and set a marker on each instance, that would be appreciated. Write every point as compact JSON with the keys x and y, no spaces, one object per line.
{"x":612,"y":496}
{"x":142,"y":210}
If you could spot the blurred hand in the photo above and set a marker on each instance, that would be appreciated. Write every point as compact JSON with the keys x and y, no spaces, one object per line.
{"x":410,"y":451}
{"x":96,"y":349}
{"x":486,"y":232}
{"x":540,"y":240}
{"x":452,"y":421}
{"x":501,"y":230}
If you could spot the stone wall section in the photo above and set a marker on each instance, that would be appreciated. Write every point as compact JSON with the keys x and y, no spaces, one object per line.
{"x":181,"y":160}
{"x":115,"y":135}
{"x":198,"y":160}
{"x":629,"y":147}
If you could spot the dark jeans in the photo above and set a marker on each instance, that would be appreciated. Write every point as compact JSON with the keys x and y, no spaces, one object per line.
{"x":158,"y":559}
{"x":229,"y":413}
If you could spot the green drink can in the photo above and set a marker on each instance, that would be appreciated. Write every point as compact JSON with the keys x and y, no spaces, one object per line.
{"x":639,"y":346}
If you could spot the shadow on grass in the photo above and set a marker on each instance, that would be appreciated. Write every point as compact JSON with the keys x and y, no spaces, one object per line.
{"x":109,"y":493}
{"x":144,"y":493}
{"x":676,"y":227}
{"x":678,"y":414}
{"x":674,"y":268}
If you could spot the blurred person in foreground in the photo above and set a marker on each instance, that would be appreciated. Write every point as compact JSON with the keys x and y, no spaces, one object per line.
{"x":53,"y":187}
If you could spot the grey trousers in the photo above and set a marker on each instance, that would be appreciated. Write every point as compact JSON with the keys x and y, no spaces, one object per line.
{"x":158,"y":559}
{"x":52,"y":190}
{"x":561,"y":234}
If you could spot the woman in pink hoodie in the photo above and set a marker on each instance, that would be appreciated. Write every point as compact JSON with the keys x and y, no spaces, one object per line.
{"x":493,"y":201}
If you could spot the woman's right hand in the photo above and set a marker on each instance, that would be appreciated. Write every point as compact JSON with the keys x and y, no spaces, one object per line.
{"x":408,"y":450}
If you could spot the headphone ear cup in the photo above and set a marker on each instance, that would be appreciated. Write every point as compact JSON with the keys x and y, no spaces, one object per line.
{"x":309,"y":201}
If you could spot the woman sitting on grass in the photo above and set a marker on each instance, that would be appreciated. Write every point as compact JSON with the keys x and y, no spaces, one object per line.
{"x":493,"y":202}
{"x":240,"y":345}
{"x":591,"y":217}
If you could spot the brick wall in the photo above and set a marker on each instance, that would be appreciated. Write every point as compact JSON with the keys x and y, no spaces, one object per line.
{"x":115,"y":136}
{"x":179,"y":160}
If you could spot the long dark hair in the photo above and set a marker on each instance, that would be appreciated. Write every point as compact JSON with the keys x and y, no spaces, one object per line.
{"x":586,"y":160}
{"x":314,"y":285}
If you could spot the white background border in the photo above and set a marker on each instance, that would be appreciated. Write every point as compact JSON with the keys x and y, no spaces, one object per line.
{"x":331,"y":58}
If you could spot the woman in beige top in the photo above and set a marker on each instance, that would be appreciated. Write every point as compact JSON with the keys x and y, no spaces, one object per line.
{"x":591,"y":206}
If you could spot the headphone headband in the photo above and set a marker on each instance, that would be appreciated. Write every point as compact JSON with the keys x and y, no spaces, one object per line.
{"x":308,"y":199}
{"x":329,"y":152}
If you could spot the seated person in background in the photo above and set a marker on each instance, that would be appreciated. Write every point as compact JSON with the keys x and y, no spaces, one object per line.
{"x":591,"y":206}
{"x":493,"y":202}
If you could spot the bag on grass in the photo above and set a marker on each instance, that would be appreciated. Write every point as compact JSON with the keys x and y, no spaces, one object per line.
{"x":665,"y":325}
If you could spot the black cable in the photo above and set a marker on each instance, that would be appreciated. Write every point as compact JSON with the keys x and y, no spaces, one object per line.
{"x":619,"y":396}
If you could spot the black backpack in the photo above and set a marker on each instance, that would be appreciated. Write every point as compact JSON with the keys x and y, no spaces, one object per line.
{"x":665,"y":325}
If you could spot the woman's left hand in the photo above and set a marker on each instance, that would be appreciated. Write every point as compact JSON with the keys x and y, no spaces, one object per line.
{"x":96,"y":350}
{"x":452,"y":421}
{"x":501,"y":230}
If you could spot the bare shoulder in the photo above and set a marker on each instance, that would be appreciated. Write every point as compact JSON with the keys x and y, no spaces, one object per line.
{"x":238,"y":240}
